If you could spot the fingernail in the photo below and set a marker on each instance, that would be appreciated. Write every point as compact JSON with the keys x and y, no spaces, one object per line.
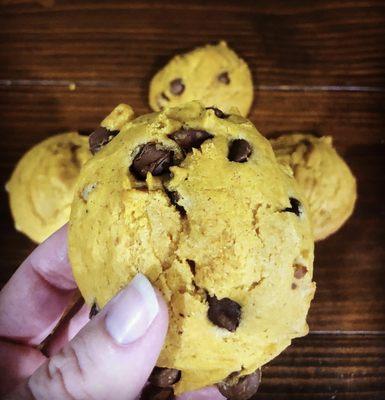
{"x":131,"y":312}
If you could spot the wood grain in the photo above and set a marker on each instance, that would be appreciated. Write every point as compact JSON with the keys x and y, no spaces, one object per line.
{"x":302,"y":43}
{"x":327,"y":367}
{"x":349,"y":265}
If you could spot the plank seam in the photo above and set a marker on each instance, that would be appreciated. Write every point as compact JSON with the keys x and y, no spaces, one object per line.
{"x":346,"y":333}
{"x":127,"y":83}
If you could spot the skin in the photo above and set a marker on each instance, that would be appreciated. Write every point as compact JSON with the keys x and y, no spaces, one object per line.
{"x":83,"y":360}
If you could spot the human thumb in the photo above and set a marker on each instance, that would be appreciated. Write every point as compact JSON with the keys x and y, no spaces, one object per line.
{"x":112,"y":356}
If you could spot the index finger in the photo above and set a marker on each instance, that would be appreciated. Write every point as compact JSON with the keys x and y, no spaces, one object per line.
{"x":34,"y":299}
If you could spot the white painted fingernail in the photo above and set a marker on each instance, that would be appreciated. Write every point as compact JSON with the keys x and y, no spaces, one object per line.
{"x":131,"y":311}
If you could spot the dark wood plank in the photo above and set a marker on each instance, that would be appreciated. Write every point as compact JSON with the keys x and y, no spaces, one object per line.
{"x":349,"y":265}
{"x":327,"y":367}
{"x":301,"y":43}
{"x":353,"y":118}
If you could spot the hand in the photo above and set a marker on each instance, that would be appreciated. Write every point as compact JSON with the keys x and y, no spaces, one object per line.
{"x":108,"y":357}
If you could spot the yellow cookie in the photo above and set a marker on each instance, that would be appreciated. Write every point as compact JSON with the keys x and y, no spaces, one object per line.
{"x":214,"y":75}
{"x":324,"y":178}
{"x":197,"y":202}
{"x":42,"y":184}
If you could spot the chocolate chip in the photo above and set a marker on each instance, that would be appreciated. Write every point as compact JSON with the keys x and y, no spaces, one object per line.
{"x":99,"y":138}
{"x":189,"y":138}
{"x":224,"y":313}
{"x":239,"y":151}
{"x":191,"y":264}
{"x":224,"y":78}
{"x":218,"y":113}
{"x":174,"y":198}
{"x":299,"y":271}
{"x":243,"y":389}
{"x":164,"y":377}
{"x":177,"y":87}
{"x":151,"y":392}
{"x":296,"y":207}
{"x":151,"y":158}
{"x":94,"y":310}
{"x":294,"y":286}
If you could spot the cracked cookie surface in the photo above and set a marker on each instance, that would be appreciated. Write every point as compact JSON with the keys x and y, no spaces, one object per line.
{"x":199,"y":204}
{"x":212,"y":74}
{"x":42,"y":184}
{"x":324,"y":178}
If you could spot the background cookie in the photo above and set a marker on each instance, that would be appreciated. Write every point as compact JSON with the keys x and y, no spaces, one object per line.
{"x":196,"y":201}
{"x":42,"y":184}
{"x":212,"y":74}
{"x":324,"y":178}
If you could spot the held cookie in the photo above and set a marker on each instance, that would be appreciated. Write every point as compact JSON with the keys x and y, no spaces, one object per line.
{"x":212,"y":74}
{"x":195,"y":200}
{"x":324,"y":178}
{"x":42,"y":184}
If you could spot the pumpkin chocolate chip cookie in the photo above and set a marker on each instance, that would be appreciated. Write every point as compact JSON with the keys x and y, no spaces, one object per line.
{"x":43,"y":182}
{"x":212,"y":74}
{"x":194,"y":199}
{"x":324,"y":178}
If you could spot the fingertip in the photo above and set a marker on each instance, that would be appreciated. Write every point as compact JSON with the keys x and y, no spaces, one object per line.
{"x":34,"y":299}
{"x":50,"y":260}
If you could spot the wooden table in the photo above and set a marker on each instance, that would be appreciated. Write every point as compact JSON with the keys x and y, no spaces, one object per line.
{"x":318,"y":66}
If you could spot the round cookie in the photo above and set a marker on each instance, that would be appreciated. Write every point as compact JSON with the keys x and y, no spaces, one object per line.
{"x":195,"y":200}
{"x":324,"y":178}
{"x":42,"y":184}
{"x":212,"y":74}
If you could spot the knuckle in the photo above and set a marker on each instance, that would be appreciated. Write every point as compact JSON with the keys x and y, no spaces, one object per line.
{"x":66,"y":375}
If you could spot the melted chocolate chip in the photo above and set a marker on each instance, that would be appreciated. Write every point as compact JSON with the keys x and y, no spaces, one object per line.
{"x":224,"y":313}
{"x":191,"y":264}
{"x":151,"y":158}
{"x":218,"y":113}
{"x":94,"y":310}
{"x":164,"y":377}
{"x":151,"y":392}
{"x":224,"y":78}
{"x":177,"y":87}
{"x":189,"y":138}
{"x":243,"y":389}
{"x":239,"y":151}
{"x":99,"y":138}
{"x":295,"y":207}
{"x":174,"y":198}
{"x":299,"y":271}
